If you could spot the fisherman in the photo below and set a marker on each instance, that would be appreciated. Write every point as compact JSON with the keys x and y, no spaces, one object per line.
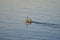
{"x":28,"y":21}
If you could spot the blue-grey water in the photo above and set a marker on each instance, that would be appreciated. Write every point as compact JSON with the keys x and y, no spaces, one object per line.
{"x":45,"y":15}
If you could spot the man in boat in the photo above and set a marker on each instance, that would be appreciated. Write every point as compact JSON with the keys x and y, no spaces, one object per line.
{"x":28,"y":21}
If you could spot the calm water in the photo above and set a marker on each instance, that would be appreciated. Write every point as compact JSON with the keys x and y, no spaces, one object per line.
{"x":13,"y":28}
{"x":46,"y":26}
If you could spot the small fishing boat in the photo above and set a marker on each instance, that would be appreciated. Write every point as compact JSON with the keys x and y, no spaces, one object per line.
{"x":28,"y":21}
